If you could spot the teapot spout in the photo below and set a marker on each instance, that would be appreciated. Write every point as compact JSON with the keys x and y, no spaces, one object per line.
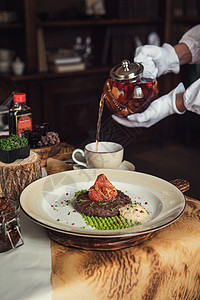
{"x":117,"y":108}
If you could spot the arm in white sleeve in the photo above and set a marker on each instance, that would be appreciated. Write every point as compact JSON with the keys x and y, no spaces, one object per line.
{"x":192,"y":39}
{"x":191,"y":97}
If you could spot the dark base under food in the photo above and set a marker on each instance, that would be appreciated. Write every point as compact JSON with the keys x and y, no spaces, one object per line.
{"x":12,"y":155}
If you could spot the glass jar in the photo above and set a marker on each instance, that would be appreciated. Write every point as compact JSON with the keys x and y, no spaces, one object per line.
{"x":10,"y":235}
{"x":127,"y":91}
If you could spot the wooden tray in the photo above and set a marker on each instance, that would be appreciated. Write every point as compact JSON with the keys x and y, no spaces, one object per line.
{"x":102,"y":244}
{"x":65,"y":151}
{"x":59,"y":151}
{"x":46,"y":152}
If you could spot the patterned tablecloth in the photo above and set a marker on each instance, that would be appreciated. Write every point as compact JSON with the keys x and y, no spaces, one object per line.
{"x":165,"y":267}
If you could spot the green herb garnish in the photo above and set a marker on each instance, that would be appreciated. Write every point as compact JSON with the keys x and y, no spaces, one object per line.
{"x":79,"y":192}
{"x":13,"y":142}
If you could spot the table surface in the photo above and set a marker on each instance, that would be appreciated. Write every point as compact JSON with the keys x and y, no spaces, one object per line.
{"x":167,"y":266}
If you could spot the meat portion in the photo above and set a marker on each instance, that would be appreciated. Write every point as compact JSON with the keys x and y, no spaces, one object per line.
{"x":102,"y":190}
{"x":106,"y":208}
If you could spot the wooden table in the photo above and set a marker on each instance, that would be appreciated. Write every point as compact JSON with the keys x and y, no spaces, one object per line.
{"x":165,"y":267}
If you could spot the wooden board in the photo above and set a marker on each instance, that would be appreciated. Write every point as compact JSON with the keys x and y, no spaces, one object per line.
{"x":14,"y":177}
{"x":65,"y":151}
{"x":46,"y":152}
{"x":59,"y":151}
{"x":55,"y":165}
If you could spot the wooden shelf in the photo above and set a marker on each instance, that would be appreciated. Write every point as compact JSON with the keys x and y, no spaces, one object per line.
{"x":11,"y":25}
{"x":191,"y":20}
{"x":103,"y":22}
{"x":39,"y":76}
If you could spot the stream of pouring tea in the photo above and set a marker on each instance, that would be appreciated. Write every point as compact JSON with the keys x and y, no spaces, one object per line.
{"x":101,"y":105}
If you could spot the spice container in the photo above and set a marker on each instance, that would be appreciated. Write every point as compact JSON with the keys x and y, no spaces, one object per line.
{"x":20,"y":116}
{"x":10,"y":235}
{"x":127,"y":91}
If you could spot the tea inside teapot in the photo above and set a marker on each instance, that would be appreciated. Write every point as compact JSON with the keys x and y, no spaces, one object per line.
{"x":127,"y":92}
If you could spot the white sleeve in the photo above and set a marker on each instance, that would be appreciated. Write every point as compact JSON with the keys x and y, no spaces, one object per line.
{"x":192,"y":39}
{"x":191,"y":97}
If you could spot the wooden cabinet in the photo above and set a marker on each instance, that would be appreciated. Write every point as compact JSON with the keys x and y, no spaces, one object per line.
{"x":69,"y":101}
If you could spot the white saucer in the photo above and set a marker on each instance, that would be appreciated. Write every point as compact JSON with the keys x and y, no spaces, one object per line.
{"x":125,"y":165}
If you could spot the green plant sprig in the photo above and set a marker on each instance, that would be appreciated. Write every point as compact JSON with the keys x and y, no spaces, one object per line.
{"x":13,"y":142}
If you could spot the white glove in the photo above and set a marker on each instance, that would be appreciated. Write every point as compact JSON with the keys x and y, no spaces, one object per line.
{"x":158,"y":110}
{"x":191,"y":97}
{"x":157,"y":60}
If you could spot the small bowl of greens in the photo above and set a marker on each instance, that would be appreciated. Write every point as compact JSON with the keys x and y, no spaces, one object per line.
{"x":13,"y":147}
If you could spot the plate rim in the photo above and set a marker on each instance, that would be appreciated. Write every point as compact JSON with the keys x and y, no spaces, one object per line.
{"x":104,"y":233}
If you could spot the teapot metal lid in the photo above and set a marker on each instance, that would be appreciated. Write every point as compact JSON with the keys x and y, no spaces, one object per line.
{"x":126,"y":70}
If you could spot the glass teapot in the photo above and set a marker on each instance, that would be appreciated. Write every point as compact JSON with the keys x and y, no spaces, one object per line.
{"x":127,"y":92}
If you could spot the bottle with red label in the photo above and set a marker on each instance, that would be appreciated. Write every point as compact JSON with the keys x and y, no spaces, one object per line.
{"x":20,"y":115}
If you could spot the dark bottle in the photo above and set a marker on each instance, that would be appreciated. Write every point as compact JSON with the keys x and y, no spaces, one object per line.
{"x":20,"y":116}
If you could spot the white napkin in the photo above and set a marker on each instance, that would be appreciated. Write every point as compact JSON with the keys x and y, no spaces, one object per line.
{"x":25,"y":272}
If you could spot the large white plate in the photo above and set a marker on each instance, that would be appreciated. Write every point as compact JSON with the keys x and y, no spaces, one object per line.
{"x":49,"y":201}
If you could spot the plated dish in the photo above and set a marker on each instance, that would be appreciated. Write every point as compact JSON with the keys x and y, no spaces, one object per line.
{"x":49,"y":201}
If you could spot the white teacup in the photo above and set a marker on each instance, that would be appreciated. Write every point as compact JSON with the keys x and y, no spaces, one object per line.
{"x":109,"y":155}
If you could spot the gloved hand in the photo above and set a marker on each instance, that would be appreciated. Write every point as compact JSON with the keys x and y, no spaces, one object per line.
{"x":157,"y":60}
{"x":159,"y":109}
